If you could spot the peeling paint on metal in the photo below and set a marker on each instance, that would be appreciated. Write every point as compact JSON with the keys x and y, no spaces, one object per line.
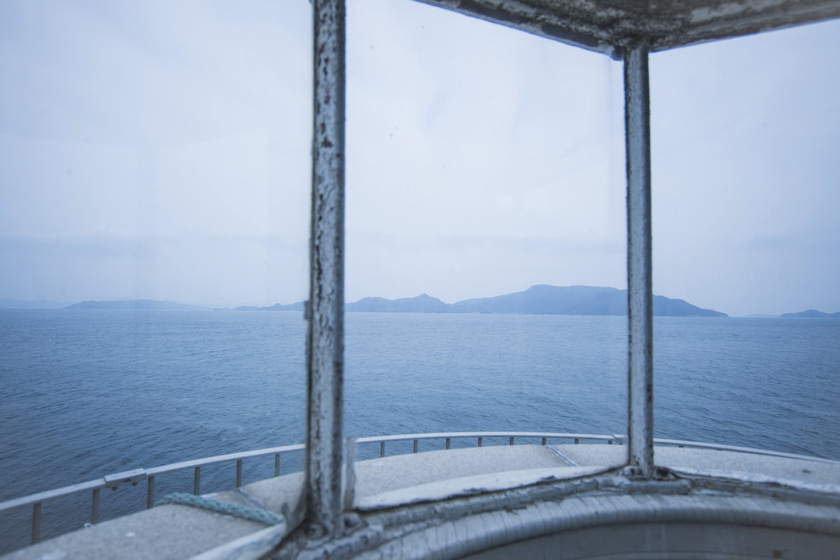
{"x":325,"y":350}
{"x":610,"y":26}
{"x":639,"y":261}
{"x":457,"y":527}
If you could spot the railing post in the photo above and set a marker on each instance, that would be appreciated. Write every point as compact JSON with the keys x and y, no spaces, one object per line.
{"x":276,"y":464}
{"x":94,"y":508}
{"x":239,"y":473}
{"x":197,"y":481}
{"x":544,"y":441}
{"x":325,"y":313}
{"x":511,"y":440}
{"x":36,"y":522}
{"x":480,"y":441}
{"x":150,"y":493}
{"x":415,"y":446}
{"x":639,"y":260}
{"x":448,"y":443}
{"x":381,"y":448}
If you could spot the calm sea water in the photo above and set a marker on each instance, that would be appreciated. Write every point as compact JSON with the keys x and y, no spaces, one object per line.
{"x":90,"y":392}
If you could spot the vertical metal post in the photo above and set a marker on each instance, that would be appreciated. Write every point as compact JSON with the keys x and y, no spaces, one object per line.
{"x":239,"y":473}
{"x":448,"y":443}
{"x":350,"y":475}
{"x":150,"y":493}
{"x":197,"y":481}
{"x":36,"y":522}
{"x":325,"y":345}
{"x":276,"y":464}
{"x":382,"y":449}
{"x":415,"y":446}
{"x":94,"y":508}
{"x":639,"y":260}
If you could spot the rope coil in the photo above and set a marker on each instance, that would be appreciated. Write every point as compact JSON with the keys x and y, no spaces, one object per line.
{"x":243,"y":512}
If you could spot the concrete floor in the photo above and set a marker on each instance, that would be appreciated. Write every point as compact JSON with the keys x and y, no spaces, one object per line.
{"x":709,"y":461}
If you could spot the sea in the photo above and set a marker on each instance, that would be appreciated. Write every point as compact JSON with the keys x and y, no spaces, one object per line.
{"x":89,"y":392}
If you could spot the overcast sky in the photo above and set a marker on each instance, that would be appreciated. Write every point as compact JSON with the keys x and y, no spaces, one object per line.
{"x":160,"y":150}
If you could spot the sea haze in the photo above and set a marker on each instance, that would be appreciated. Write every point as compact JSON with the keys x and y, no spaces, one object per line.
{"x":88,"y":392}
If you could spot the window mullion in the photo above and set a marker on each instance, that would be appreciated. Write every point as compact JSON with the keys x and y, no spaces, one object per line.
{"x":639,"y":260}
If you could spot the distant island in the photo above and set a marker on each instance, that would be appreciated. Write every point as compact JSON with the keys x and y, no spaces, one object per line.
{"x":540,"y":299}
{"x":144,"y":304}
{"x":276,"y":307}
{"x":811,"y":314}
{"x":536,"y":300}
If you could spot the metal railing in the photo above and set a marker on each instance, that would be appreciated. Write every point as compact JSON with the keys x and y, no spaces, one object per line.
{"x":480,"y":436}
{"x":136,"y":476}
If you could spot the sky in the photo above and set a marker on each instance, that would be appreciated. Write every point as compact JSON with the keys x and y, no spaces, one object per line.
{"x":161,"y":150}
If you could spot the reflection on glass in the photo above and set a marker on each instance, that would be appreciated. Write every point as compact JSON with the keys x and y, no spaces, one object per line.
{"x":745,"y":135}
{"x":481,"y":162}
{"x":154,"y":159}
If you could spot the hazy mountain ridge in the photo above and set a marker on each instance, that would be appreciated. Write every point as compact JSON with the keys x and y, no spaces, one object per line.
{"x":811,"y":314}
{"x":276,"y":307}
{"x":540,"y":299}
{"x":144,"y":304}
{"x":423,"y":303}
{"x":537,"y":300}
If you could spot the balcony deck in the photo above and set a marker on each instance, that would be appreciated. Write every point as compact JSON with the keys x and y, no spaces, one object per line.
{"x":574,"y":487}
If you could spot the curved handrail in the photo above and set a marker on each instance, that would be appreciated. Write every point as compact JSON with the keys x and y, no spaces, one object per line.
{"x":449,"y":436}
{"x":118,"y":479}
{"x":751,"y":450}
{"x":462,"y":435}
{"x":137,"y":475}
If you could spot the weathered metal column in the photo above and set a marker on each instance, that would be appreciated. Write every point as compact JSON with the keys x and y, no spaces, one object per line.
{"x":325,"y":344}
{"x":639,"y":260}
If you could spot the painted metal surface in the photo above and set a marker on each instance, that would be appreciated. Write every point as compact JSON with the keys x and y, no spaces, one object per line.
{"x":640,"y":525}
{"x":707,"y":20}
{"x":584,"y":24}
{"x":609,"y":26}
{"x":481,"y":520}
{"x":639,"y":260}
{"x":325,"y":313}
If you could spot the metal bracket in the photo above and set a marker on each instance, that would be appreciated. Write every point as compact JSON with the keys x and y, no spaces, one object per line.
{"x":112,"y":481}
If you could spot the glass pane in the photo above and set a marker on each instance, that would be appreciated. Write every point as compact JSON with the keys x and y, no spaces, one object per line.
{"x":482,"y":161}
{"x":155,"y":165}
{"x":745,"y":137}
